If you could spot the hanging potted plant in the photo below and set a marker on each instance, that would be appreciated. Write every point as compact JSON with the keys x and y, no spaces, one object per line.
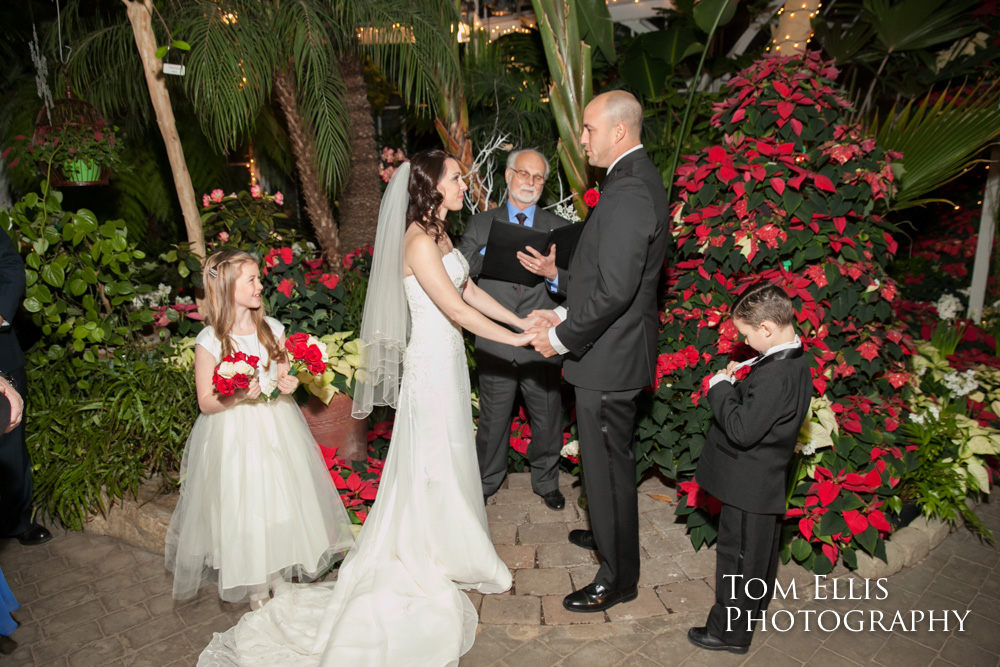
{"x":68,"y":154}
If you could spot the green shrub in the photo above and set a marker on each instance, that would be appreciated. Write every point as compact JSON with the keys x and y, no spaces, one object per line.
{"x":132,"y":422}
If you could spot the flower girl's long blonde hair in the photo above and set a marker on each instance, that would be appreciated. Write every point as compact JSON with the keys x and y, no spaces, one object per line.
{"x":221,"y":271}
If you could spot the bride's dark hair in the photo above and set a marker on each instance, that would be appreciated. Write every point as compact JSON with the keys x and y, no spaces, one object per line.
{"x":426,"y":171}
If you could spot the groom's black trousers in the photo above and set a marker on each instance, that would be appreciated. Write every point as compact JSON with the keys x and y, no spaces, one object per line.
{"x":606,"y":420}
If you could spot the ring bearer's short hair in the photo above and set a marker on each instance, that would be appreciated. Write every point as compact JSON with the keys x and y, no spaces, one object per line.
{"x":764,"y":301}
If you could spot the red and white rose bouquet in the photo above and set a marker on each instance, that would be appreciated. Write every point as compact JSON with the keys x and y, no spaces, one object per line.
{"x":234,"y":372}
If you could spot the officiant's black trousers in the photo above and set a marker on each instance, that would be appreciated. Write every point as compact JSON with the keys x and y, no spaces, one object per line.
{"x":747,"y":546}
{"x":606,"y":420}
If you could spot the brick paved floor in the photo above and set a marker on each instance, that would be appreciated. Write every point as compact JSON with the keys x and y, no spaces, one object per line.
{"x":89,"y":600}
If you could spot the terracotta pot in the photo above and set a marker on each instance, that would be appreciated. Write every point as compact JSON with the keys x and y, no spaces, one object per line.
{"x":333,"y":426}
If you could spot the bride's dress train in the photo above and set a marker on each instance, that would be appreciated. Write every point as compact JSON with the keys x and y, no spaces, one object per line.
{"x":398,"y":598}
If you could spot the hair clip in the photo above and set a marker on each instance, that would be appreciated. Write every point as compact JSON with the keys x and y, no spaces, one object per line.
{"x":213,"y":272}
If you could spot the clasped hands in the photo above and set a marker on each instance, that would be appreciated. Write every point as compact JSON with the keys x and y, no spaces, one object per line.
{"x":537,"y":324}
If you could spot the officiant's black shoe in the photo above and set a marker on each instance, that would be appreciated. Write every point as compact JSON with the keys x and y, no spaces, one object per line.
{"x":35,"y":534}
{"x":702,"y":638}
{"x":583,"y":538}
{"x":595,"y":597}
{"x":554,"y":500}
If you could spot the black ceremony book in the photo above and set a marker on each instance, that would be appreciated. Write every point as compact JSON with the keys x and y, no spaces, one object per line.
{"x":506,"y":239}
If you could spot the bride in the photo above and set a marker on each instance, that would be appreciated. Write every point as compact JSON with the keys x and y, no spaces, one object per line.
{"x":398,"y":598}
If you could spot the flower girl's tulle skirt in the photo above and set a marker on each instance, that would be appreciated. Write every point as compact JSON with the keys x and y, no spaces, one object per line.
{"x":256,"y":502}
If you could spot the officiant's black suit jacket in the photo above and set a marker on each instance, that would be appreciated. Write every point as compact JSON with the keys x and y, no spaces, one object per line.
{"x":755,"y":425}
{"x":612,"y":283}
{"x":520,"y":300}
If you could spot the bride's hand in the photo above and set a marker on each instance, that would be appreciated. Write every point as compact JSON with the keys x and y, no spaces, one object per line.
{"x":522,"y":340}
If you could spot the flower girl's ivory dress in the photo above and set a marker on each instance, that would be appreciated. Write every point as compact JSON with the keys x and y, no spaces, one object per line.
{"x":256,"y":501}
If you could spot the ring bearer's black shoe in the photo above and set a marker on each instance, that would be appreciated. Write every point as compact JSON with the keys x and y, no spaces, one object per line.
{"x":595,"y":597}
{"x":554,"y":500}
{"x":583,"y":538}
{"x":702,"y":638}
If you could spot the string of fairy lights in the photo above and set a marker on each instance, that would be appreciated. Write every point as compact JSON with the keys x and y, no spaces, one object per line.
{"x":810,"y":7}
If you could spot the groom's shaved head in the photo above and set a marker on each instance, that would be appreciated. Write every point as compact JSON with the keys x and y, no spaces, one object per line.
{"x":622,"y":107}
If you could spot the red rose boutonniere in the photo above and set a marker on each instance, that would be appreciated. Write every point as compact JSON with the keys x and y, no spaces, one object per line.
{"x":591,"y":197}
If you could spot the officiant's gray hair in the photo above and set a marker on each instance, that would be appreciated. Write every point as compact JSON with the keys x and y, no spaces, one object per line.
{"x":513,"y":155}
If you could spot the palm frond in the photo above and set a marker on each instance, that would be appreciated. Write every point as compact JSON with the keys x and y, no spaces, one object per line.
{"x":421,"y":58}
{"x":230,"y":66}
{"x":918,"y":24}
{"x":321,"y":98}
{"x":939,"y":138}
{"x":105,"y":66}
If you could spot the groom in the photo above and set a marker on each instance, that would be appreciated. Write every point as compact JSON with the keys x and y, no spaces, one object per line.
{"x":607,"y":335}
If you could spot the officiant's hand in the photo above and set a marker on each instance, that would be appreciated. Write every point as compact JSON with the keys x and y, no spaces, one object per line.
{"x":549,"y":317}
{"x":541,"y":342}
{"x":539,"y":264}
{"x":287,"y":383}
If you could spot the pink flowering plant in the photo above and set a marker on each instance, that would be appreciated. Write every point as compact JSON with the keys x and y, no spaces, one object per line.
{"x":390,"y":159}
{"x":795,"y":195}
{"x":53,"y":148}
{"x":253,"y":221}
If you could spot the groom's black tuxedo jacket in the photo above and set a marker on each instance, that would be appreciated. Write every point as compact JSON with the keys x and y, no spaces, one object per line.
{"x":612,"y":283}
{"x":754,"y":429}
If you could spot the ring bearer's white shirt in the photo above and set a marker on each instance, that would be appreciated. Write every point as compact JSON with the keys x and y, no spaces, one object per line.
{"x":554,"y":284}
{"x":721,"y":375}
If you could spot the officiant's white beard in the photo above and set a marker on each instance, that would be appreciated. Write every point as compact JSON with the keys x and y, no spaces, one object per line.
{"x":527,"y":195}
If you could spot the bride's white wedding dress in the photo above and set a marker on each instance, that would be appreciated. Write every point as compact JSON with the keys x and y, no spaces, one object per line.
{"x":397,"y":600}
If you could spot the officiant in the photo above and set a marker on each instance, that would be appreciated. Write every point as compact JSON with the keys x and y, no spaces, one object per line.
{"x":504,"y":369}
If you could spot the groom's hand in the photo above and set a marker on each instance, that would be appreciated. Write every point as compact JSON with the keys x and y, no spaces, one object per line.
{"x":541,"y":342}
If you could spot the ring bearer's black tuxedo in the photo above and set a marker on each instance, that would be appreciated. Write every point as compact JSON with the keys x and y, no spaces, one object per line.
{"x":505,"y":368}
{"x":744,"y":464}
{"x":611,"y":330}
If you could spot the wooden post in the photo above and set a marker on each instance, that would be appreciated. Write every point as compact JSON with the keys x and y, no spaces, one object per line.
{"x":140,"y":14}
{"x":987,"y":231}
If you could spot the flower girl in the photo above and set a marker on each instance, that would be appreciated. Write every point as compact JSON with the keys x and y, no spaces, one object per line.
{"x":257,"y":504}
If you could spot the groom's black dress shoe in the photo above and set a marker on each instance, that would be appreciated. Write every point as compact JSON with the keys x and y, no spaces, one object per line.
{"x":35,"y":534}
{"x":554,"y":500}
{"x":595,"y":597}
{"x":702,"y":638}
{"x":583,"y":538}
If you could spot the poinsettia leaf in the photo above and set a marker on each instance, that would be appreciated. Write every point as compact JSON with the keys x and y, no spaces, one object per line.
{"x":867,"y":539}
{"x":831,"y":524}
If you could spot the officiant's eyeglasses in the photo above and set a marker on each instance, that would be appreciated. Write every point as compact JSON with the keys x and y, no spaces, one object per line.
{"x":524,"y":175}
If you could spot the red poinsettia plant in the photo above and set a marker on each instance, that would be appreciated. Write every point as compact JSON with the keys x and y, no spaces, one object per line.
{"x":793,"y":195}
{"x":356,"y":481}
